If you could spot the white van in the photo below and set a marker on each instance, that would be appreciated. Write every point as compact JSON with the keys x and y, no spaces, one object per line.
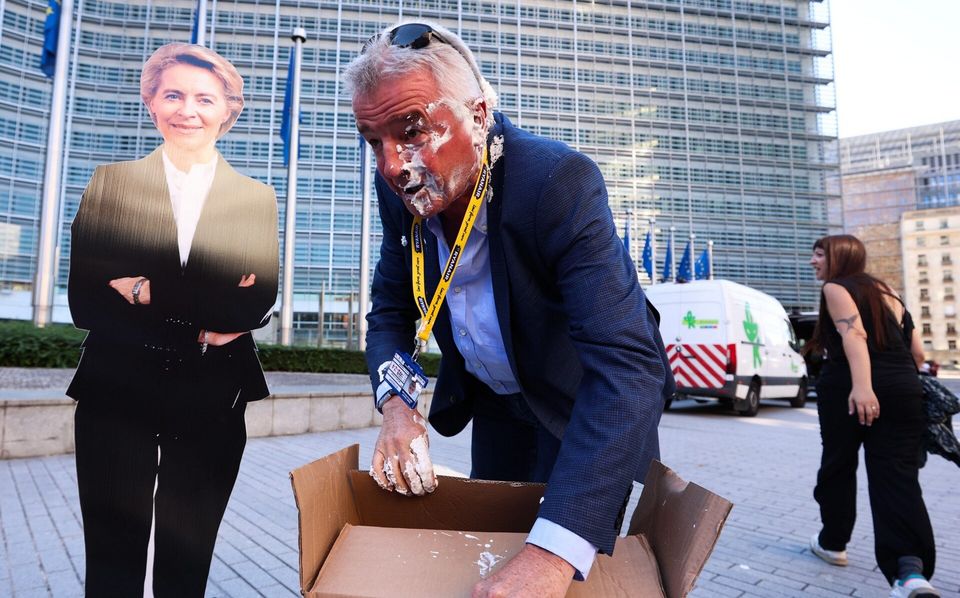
{"x":729,"y":342}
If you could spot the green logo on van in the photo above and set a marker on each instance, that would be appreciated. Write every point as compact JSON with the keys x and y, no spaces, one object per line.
{"x":752,"y":330}
{"x":691,"y":321}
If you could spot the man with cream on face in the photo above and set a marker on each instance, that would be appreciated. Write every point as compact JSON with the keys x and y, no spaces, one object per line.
{"x":549,"y":345}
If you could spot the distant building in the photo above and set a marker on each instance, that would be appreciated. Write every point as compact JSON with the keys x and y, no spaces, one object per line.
{"x":714,"y":116}
{"x":931,"y":257}
{"x":884,"y":175}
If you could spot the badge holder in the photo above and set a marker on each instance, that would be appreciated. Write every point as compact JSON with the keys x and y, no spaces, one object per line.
{"x":406,"y":378}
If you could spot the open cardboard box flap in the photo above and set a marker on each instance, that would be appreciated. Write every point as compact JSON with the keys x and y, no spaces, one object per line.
{"x":672,"y":533}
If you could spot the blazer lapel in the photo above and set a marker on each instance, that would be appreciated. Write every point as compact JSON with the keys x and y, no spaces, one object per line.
{"x":156,"y":194}
{"x":213,"y":228}
{"x":498,"y":262}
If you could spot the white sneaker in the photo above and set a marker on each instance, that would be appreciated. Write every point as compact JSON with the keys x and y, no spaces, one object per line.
{"x":913,"y":586}
{"x":834,"y":557}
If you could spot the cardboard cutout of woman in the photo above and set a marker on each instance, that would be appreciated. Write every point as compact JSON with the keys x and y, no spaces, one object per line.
{"x":174,"y":260}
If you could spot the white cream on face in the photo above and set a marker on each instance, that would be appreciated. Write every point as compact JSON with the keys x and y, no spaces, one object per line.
{"x":426,"y":191}
{"x":427,"y":188}
{"x":422,"y":187}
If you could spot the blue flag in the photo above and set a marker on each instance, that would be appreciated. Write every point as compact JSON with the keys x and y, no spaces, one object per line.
{"x":195,"y":33}
{"x":648,"y":256}
{"x":685,"y":269}
{"x":626,"y":235}
{"x":287,"y":109}
{"x":668,"y":261}
{"x":702,"y":267}
{"x":51,"y":35}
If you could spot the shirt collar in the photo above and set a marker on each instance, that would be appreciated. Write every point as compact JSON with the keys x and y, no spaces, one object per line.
{"x":201,"y":169}
{"x":479,"y":224}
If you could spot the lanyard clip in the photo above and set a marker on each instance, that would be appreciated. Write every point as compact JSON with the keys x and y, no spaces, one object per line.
{"x":418,"y":346}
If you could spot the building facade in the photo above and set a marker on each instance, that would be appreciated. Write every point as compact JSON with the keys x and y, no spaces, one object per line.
{"x":931,"y":256}
{"x":885,"y":175}
{"x":715,"y":117}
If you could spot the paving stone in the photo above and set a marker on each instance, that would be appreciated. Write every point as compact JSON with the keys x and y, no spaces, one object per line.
{"x":220,"y":571}
{"x":236,"y":588}
{"x":767,"y":469}
{"x":277,"y":591}
{"x":64,"y":583}
{"x":251,"y":573}
{"x":709,"y":588}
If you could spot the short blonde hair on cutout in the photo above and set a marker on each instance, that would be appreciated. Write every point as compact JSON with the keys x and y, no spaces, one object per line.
{"x":179,"y":53}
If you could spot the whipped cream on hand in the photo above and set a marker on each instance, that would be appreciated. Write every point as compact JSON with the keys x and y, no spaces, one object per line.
{"x":401,"y":459}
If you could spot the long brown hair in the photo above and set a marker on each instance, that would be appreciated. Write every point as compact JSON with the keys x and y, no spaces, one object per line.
{"x":846,"y":260}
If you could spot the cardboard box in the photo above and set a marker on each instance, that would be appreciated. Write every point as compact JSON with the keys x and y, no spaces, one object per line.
{"x":357,"y":540}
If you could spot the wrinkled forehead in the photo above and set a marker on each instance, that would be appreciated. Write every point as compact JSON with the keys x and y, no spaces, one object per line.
{"x":367,"y":123}
{"x":406,"y":102}
{"x":185,"y":74}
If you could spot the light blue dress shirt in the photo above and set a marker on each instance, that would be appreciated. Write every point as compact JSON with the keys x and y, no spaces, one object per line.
{"x":476,"y":332}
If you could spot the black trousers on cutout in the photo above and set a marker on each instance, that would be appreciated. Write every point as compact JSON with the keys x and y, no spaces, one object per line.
{"x":891,"y":447}
{"x":116,"y":470}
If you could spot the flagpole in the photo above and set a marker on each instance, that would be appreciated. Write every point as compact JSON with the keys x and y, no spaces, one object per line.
{"x":213,"y":22}
{"x":43,"y":286}
{"x":653,"y":251}
{"x":364,"y":244}
{"x":693,"y":259}
{"x":289,"y":225}
{"x":709,"y":260}
{"x":673,"y":256}
{"x":201,"y":22}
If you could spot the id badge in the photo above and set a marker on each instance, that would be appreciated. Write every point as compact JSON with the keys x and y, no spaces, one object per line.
{"x":406,"y":378}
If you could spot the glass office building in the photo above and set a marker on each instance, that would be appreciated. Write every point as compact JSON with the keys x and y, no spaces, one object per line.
{"x":715,"y":117}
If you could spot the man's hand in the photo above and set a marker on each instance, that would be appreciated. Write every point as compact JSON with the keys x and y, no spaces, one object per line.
{"x":401,"y":458}
{"x":124,"y":286}
{"x":534,"y":572}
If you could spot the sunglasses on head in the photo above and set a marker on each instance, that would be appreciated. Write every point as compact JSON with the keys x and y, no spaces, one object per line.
{"x":408,"y":35}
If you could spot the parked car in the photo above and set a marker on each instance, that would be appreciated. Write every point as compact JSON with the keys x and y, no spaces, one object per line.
{"x":803,"y":325}
{"x":729,"y":342}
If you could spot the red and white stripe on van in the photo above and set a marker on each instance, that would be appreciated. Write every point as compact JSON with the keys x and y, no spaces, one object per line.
{"x":702,"y":365}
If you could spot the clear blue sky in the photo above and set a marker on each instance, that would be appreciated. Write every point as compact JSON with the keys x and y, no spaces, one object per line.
{"x":897,"y":63}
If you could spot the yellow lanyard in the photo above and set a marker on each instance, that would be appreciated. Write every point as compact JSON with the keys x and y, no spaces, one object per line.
{"x":429,"y":312}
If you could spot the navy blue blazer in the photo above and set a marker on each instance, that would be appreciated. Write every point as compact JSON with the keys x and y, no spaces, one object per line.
{"x":582,"y":340}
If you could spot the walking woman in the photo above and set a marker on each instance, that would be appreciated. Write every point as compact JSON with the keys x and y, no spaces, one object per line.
{"x":173,"y":261}
{"x":868,"y":393}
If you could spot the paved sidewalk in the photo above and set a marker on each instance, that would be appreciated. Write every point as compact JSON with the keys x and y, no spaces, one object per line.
{"x":765,"y":465}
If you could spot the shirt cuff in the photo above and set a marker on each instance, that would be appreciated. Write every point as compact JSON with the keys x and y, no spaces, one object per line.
{"x":565,"y":544}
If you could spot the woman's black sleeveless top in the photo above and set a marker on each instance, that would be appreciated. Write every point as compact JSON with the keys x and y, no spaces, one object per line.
{"x":892,"y":368}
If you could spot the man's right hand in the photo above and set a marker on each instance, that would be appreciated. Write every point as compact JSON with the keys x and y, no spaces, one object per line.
{"x":401,"y":459}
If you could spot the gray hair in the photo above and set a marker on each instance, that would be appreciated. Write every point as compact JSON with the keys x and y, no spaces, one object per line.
{"x":451,"y":64}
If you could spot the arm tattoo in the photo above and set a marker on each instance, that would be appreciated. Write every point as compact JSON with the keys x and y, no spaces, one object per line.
{"x":848,"y":322}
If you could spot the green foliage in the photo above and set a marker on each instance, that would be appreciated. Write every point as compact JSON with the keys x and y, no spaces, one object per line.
{"x":58,"y":346}
{"x":277,"y":358}
{"x":24,"y":345}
